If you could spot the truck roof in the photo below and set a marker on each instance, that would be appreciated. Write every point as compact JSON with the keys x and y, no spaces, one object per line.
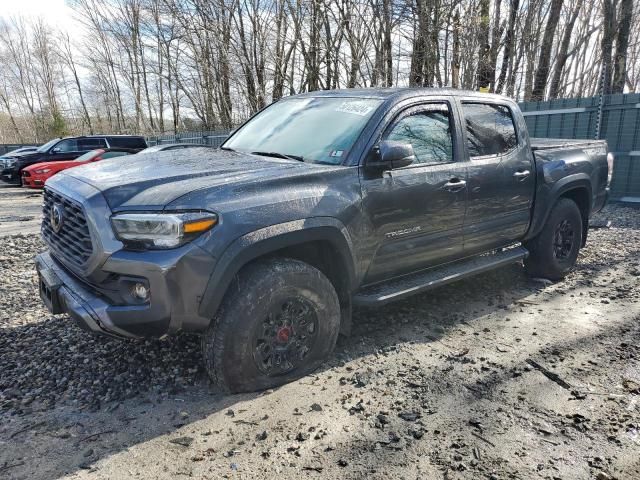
{"x":103,"y":135}
{"x":399,"y":92}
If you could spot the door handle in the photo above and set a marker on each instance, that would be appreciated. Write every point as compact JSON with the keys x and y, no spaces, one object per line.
{"x":455,"y":185}
{"x":521,"y":175}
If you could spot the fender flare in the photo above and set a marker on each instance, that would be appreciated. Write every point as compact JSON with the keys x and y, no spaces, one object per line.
{"x":270,"y":239}
{"x":547,"y":197}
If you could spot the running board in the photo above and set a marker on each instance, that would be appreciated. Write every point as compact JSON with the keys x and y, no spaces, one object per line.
{"x":408,"y":285}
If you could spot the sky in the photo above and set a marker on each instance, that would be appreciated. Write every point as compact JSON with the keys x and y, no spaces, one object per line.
{"x":56,"y":12}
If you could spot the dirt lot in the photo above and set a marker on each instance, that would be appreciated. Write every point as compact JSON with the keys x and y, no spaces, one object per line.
{"x":499,"y":376}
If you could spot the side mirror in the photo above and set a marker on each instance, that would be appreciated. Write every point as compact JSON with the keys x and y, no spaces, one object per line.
{"x":55,"y":150}
{"x":393,"y":154}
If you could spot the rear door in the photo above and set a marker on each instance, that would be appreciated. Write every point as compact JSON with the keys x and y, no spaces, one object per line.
{"x":417,"y":211}
{"x":501,"y":178}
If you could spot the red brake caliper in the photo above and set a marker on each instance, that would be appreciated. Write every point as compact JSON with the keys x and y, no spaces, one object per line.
{"x":283,"y":334}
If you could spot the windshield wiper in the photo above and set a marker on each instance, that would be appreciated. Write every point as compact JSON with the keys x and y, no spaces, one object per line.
{"x":227,"y":149}
{"x":279,"y":155}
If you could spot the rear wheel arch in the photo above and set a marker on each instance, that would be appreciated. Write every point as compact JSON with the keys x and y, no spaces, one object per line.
{"x":323,"y":243}
{"x":575,"y":187}
{"x":581,"y":196}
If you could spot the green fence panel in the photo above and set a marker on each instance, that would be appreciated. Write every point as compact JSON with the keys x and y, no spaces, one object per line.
{"x":578,"y":118}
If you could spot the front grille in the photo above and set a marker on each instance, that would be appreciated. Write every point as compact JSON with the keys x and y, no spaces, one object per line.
{"x":73,"y":241}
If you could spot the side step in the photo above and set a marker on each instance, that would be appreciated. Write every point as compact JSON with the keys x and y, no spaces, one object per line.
{"x":414,"y":283}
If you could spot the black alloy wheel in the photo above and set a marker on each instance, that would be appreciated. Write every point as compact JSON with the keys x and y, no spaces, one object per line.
{"x":285,"y":337}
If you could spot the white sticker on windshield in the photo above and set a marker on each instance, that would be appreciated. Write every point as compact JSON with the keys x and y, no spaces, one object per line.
{"x":357,"y":107}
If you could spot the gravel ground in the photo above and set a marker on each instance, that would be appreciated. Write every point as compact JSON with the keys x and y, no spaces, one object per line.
{"x":498,"y":376}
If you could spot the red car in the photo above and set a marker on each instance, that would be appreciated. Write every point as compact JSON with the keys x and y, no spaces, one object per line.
{"x":35,"y":175}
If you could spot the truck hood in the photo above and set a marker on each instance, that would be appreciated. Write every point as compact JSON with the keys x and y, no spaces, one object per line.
{"x":28,"y":156}
{"x":154,"y":181}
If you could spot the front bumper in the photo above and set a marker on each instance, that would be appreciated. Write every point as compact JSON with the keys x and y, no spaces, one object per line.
{"x":176,"y":281}
{"x":62,"y":293}
{"x":33,"y":181}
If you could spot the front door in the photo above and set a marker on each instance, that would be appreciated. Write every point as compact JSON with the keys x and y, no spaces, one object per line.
{"x":417,"y":212}
{"x":66,"y":149}
{"x":501,"y":177}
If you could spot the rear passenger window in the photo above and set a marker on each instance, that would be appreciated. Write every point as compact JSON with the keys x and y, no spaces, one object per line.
{"x":490,"y":129}
{"x":428,"y":131}
{"x":128,"y":142}
{"x":86,"y":144}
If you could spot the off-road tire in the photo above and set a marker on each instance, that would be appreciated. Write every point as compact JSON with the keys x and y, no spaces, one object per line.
{"x":545,"y":260}
{"x":228,"y":345}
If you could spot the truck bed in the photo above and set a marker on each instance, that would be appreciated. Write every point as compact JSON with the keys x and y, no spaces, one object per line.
{"x":559,"y":158}
{"x":552,"y":143}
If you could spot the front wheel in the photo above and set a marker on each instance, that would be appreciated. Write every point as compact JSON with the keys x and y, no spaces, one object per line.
{"x":278,"y":322}
{"x":554,"y":252}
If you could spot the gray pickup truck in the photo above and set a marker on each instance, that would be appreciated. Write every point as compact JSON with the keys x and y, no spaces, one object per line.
{"x":320,"y":202}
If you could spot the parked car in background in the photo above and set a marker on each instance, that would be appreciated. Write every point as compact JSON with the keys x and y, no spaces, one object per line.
{"x":172,"y":146}
{"x":14,"y":153}
{"x":35,"y":175}
{"x":68,"y":148}
{"x":19,"y":151}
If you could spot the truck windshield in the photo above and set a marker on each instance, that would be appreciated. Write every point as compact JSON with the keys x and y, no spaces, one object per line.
{"x":317,"y":130}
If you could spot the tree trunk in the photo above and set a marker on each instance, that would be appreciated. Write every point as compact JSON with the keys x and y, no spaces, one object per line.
{"x":542,"y":73}
{"x":418,"y":55}
{"x":485,"y":72}
{"x":387,"y":44}
{"x":622,"y":45}
{"x":455,"y":51}
{"x":508,"y":45}
{"x":562,"y":56}
{"x":608,"y":34}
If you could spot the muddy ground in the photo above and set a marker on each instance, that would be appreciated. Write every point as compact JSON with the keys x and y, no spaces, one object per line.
{"x":496,"y":377}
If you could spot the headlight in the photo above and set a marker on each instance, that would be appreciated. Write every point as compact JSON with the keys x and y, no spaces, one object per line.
{"x":9,"y":162}
{"x":161,"y":230}
{"x":43,"y":170}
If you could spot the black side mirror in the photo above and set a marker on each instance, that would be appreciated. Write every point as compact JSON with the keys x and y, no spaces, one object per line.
{"x":393,"y":154}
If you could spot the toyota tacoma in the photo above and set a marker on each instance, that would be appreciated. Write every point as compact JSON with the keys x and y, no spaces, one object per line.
{"x":320,"y":202}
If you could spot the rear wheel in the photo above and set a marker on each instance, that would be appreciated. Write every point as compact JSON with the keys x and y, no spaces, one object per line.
{"x":554,"y":252}
{"x":278,"y":322}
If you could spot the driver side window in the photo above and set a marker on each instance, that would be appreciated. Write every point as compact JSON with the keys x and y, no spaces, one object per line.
{"x":429,"y":133}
